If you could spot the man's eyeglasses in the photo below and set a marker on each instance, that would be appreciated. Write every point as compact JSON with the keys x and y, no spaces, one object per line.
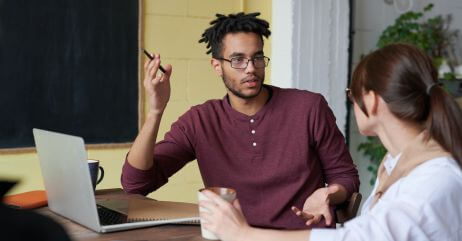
{"x":242,"y":62}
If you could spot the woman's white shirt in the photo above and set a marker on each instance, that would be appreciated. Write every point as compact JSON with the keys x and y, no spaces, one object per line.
{"x":424,"y":205}
{"x":389,"y":164}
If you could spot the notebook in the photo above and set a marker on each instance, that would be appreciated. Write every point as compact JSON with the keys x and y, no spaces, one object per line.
{"x":27,"y":200}
{"x":145,"y":209}
{"x":66,"y":176}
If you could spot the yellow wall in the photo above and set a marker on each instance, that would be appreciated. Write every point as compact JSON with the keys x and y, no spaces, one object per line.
{"x":171,"y":28}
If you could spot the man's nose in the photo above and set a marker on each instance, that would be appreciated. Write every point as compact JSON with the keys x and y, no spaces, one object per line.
{"x":250,"y":67}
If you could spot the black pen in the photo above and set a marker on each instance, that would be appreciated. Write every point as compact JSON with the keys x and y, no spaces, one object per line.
{"x":150,"y":57}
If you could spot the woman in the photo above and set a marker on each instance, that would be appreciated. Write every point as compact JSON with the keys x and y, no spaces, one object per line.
{"x":396,"y":97}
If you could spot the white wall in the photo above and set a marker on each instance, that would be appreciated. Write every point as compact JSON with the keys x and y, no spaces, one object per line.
{"x":310,"y":49}
{"x":371,"y":17}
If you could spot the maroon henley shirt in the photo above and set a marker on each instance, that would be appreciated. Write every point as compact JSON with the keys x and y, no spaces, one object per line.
{"x":274,"y":159}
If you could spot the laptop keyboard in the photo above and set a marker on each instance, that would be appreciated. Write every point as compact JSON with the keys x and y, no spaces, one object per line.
{"x":108,"y":216}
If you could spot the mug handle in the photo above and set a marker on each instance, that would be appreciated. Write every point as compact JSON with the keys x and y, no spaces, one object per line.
{"x":101,"y":172}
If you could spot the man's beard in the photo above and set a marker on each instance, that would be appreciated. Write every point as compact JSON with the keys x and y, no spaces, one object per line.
{"x":237,"y":92}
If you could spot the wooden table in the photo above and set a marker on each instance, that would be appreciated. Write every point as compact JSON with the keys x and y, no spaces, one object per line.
{"x":164,"y":232}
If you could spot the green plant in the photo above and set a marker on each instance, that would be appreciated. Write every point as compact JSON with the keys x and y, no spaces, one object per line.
{"x":449,"y":76}
{"x":373,"y":149}
{"x":429,"y":34}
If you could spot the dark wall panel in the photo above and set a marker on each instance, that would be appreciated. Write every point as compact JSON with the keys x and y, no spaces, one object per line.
{"x":69,"y":66}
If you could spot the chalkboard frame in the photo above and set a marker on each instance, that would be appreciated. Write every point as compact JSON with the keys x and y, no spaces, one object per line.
{"x":140,"y":104}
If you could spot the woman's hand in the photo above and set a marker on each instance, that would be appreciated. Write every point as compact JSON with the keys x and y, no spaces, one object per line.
{"x":222,"y":218}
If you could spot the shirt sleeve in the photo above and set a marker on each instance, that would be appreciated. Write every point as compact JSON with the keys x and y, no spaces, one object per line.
{"x":387,"y":222}
{"x":329,"y":143}
{"x":170,"y":155}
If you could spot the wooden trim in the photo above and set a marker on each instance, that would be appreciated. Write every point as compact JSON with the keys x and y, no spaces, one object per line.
{"x":19,"y":150}
{"x":141,"y":94}
{"x":27,"y":150}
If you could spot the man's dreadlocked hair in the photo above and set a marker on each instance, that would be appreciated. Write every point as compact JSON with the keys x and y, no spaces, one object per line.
{"x":232,"y":23}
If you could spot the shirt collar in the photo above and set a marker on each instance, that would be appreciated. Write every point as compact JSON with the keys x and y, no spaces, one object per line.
{"x":390,"y":162}
{"x":240,"y":116}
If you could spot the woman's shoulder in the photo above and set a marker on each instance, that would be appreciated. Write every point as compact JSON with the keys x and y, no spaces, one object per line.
{"x":443,"y":167}
{"x":436,"y":178}
{"x":433,"y":185}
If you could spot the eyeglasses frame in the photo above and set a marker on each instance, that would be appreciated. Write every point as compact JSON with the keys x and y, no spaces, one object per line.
{"x":266,"y":61}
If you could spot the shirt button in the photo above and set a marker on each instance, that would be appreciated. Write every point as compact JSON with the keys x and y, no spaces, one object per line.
{"x":252,"y":120}
{"x":254,"y":144}
{"x":253,"y":131}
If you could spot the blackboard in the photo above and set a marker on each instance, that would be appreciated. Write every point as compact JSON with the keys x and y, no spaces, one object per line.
{"x":69,"y":66}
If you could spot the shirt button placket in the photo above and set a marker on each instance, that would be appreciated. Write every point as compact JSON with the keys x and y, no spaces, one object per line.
{"x":252,"y":121}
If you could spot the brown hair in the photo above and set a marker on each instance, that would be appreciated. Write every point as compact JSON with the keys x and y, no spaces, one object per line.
{"x":407,"y":81}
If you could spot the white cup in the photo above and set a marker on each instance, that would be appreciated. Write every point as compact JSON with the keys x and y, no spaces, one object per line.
{"x":227,"y":194}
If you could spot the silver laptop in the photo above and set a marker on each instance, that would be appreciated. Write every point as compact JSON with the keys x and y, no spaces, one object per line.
{"x":66,"y":176}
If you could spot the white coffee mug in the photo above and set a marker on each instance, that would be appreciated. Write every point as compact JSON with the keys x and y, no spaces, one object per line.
{"x":227,"y":194}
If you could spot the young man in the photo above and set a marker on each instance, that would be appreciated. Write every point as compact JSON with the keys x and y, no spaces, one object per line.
{"x":277,"y":147}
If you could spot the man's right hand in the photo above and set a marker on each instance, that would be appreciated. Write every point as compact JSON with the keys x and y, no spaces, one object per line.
{"x":157,"y":85}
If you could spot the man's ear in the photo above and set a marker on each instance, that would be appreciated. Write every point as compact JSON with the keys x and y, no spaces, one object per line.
{"x":216,"y":65}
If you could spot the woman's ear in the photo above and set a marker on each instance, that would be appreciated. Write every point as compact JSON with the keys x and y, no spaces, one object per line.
{"x":375,"y":105}
{"x":371,"y":102}
{"x":216,"y":65}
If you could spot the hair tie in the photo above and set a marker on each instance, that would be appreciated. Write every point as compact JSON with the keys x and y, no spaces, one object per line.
{"x":430,"y":87}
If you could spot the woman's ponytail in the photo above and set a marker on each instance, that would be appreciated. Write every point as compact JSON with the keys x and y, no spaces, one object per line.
{"x":445,"y":121}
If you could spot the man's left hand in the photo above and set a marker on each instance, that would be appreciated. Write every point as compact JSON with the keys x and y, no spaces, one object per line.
{"x":317,"y":206}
